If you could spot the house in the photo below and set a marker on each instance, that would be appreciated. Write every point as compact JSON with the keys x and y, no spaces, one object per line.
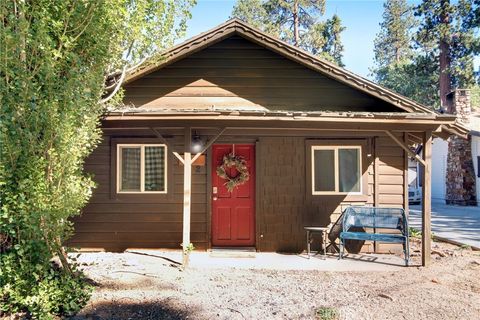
{"x":303,"y":138}
{"x":469,"y":193}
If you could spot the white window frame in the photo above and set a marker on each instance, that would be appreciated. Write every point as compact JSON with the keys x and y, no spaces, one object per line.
{"x":142,"y":166}
{"x":335,"y":149}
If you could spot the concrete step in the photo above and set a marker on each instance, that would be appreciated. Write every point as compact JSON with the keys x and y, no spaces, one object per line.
{"x":233,"y":252}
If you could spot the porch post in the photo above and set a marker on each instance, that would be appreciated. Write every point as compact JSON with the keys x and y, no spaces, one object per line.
{"x":187,"y":196}
{"x":426,"y":198}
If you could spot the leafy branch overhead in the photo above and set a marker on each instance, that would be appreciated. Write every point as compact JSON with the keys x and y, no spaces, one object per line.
{"x":296,"y":22}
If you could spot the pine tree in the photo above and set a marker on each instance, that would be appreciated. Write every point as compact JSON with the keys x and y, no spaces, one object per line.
{"x":412,"y":73}
{"x":393,"y":42}
{"x":331,"y":31}
{"x":438,"y":56}
{"x":296,"y":22}
{"x":450,"y":30}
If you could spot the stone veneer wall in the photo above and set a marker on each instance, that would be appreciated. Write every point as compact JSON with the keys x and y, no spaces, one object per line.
{"x":460,"y":177}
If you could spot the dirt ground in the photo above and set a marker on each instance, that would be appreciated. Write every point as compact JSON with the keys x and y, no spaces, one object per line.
{"x":135,"y":286}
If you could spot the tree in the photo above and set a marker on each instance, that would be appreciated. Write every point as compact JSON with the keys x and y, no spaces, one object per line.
{"x":393,"y":42}
{"x":296,"y":22}
{"x":412,"y":73}
{"x":444,"y":26}
{"x":55,"y":58}
{"x":437,"y":54}
{"x":325,"y":40}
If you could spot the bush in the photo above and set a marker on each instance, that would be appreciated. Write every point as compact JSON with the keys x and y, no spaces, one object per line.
{"x":56,"y":57}
{"x":37,"y":289}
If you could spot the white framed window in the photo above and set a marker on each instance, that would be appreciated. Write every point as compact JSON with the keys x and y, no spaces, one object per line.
{"x":141,"y":168}
{"x":336,"y":170}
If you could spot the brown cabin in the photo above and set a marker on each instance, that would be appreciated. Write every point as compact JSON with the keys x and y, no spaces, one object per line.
{"x":314,"y":138}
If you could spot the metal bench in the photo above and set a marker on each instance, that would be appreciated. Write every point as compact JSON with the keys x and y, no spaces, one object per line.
{"x":375,"y":218}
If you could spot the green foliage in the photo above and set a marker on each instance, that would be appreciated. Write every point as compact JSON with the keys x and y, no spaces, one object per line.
{"x":407,"y":50}
{"x":416,"y":78}
{"x":46,"y":292}
{"x":324,"y":39}
{"x":414,"y":233}
{"x":392,"y":43}
{"x":475,"y":96}
{"x":327,"y":313}
{"x":296,"y":22}
{"x":442,"y":21}
{"x":190,"y":247}
{"x":54,"y":60}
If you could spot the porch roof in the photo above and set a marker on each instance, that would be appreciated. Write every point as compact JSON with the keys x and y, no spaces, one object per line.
{"x":442,"y":124}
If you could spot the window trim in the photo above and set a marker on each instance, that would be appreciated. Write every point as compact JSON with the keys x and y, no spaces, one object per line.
{"x":142,"y":167}
{"x":335,"y":148}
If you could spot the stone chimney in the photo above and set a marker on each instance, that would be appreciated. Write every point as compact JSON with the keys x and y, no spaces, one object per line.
{"x":460,"y":189}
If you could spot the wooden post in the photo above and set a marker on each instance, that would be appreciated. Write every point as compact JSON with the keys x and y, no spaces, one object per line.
{"x":187,"y":197}
{"x":187,"y":200}
{"x":187,"y":161}
{"x":426,"y":199}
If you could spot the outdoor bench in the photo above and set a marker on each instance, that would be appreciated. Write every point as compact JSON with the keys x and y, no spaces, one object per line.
{"x":375,"y":218}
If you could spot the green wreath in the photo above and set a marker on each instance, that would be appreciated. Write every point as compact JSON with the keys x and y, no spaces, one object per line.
{"x":240,"y":165}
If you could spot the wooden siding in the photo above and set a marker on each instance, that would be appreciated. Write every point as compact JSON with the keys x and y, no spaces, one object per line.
{"x":284,"y":205}
{"x":391,"y":179}
{"x":236,"y":73}
{"x":116,"y":222}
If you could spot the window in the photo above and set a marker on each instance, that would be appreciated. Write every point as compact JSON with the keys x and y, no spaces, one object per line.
{"x":336,"y":170}
{"x":141,"y":168}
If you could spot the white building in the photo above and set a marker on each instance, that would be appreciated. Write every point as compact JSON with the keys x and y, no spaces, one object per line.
{"x":439,"y":160}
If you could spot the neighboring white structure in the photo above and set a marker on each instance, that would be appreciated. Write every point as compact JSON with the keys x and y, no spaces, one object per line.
{"x":439,"y":160}
{"x":476,"y":159}
{"x":439,"y":168}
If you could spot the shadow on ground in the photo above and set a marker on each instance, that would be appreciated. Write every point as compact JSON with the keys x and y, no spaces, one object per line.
{"x":147,"y":310}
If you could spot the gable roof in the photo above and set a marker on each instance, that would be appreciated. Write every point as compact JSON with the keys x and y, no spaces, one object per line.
{"x":238,"y":27}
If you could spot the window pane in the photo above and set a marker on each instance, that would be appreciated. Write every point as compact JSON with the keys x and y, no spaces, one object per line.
{"x":349,"y":170}
{"x":130,"y":174}
{"x":324,"y":168}
{"x":154,"y":168}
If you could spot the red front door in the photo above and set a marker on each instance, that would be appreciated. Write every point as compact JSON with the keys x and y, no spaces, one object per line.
{"x":233,"y":213}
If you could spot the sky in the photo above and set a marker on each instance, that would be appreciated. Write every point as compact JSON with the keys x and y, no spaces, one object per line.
{"x":360,"y":17}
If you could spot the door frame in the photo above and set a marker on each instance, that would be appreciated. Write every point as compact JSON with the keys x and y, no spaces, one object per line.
{"x":254,"y":142}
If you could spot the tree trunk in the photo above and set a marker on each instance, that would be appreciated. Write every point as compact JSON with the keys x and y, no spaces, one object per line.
{"x":445,"y":77}
{"x":295,"y":24}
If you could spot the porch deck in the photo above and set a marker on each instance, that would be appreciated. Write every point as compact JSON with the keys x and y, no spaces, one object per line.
{"x":272,"y":261}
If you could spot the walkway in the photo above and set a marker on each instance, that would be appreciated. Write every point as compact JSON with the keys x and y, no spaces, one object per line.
{"x":278,"y":261}
{"x":457,"y":223}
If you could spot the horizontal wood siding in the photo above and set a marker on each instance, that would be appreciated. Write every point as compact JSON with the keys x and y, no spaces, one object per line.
{"x":139,"y":221}
{"x":238,"y":73}
{"x":391,"y":173}
{"x":284,"y":205}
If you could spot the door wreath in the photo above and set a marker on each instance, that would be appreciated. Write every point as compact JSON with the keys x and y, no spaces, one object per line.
{"x":237,"y":162}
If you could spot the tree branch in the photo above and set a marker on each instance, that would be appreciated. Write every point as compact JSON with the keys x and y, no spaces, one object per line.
{"x":117,"y":87}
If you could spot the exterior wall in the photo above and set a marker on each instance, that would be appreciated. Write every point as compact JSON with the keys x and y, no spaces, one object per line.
{"x":439,"y":168}
{"x":238,"y":74}
{"x":284,"y":202}
{"x":460,"y":172}
{"x":476,"y":162}
{"x":116,"y":222}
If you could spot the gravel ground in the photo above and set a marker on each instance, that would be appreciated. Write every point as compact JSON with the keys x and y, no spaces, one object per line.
{"x":133,"y":286}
